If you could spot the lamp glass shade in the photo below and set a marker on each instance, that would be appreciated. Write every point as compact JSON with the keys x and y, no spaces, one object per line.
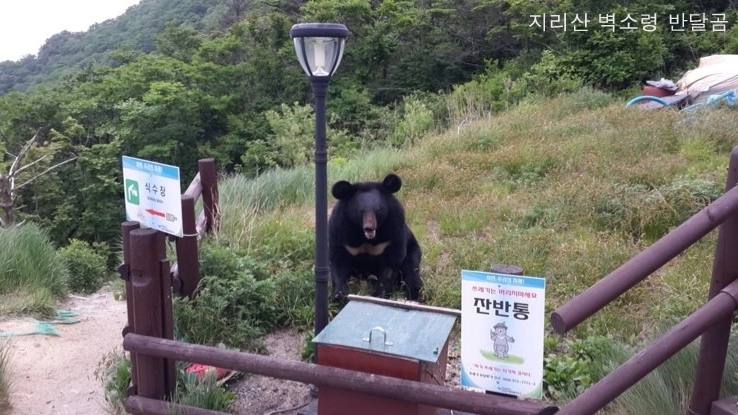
{"x":319,"y":56}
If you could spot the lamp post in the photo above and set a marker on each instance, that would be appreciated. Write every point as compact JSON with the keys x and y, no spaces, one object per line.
{"x":319,"y":48}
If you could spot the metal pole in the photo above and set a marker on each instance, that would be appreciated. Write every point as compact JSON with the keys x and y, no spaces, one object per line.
{"x":320,"y":91}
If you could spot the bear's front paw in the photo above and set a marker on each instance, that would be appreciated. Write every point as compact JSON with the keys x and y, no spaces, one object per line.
{"x":338,"y":296}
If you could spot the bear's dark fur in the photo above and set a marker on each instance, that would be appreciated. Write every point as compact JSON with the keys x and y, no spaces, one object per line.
{"x":368,"y":236}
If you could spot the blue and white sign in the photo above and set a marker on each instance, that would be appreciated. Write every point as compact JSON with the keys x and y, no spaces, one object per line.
{"x":502,"y":322}
{"x":153,"y":195}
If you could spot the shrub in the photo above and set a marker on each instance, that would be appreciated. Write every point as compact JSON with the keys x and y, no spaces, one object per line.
{"x":238,"y":300}
{"x":30,"y":275}
{"x":205,"y":393}
{"x":551,"y":76}
{"x":565,"y":376}
{"x":292,"y":140}
{"x":417,"y":120}
{"x":114,"y":373}
{"x":87,"y":265}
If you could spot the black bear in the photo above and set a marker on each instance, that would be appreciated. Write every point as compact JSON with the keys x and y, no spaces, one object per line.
{"x":368,"y":236}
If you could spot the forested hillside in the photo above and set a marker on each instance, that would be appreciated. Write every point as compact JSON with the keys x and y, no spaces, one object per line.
{"x":174,"y":81}
{"x":104,"y":43}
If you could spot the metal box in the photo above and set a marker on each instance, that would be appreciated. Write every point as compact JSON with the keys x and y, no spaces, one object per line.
{"x":387,"y":340}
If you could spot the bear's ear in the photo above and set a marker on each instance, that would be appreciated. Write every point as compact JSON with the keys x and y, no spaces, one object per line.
{"x":392,"y":183}
{"x":343,"y":190}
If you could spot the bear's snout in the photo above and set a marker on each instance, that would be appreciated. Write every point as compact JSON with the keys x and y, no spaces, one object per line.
{"x":369,"y":225}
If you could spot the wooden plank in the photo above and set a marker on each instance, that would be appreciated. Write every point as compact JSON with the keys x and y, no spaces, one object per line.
{"x":139,"y":405}
{"x":410,"y":305}
{"x":385,"y":386}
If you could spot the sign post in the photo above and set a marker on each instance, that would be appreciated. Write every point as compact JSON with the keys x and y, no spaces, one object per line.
{"x":152,"y":192}
{"x":502,"y":322}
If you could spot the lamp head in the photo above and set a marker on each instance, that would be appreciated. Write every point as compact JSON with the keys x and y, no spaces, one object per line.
{"x":319,"y":47}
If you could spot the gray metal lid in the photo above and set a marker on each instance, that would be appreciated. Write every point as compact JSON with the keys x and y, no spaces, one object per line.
{"x":415,"y":334}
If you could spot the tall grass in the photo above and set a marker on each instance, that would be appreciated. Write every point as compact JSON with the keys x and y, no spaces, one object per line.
{"x":668,"y":388}
{"x":282,"y":187}
{"x":569,"y":188}
{"x":5,"y":381}
{"x":32,"y":277}
{"x":244,"y":199}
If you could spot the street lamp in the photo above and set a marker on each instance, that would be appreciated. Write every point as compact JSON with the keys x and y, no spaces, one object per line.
{"x":319,"y":48}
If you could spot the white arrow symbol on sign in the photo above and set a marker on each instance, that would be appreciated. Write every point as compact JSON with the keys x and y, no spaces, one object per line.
{"x":132,"y":191}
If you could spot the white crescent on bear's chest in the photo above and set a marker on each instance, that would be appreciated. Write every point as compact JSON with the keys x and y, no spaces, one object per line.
{"x":366,"y":248}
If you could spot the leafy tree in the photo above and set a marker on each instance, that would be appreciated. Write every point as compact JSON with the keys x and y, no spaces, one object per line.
{"x":23,"y":169}
{"x":179,"y":42}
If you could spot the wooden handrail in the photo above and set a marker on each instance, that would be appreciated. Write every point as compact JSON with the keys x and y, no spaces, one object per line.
{"x":339,"y":378}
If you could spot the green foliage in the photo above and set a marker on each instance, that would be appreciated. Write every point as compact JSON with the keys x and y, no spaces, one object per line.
{"x":87,"y":264}
{"x":293,"y":134}
{"x":642,"y":211}
{"x":665,"y":390}
{"x":196,"y":79}
{"x":550,"y":76}
{"x":277,"y":188}
{"x":205,"y":393}
{"x":580,"y":363}
{"x":179,"y":42}
{"x":417,"y":120}
{"x":5,"y":380}
{"x":113,"y":371}
{"x":565,"y":376}
{"x":307,"y":353}
{"x":31,"y":275}
{"x":292,"y":141}
{"x":616,"y":59}
{"x":111,"y":42}
{"x":239,"y":299}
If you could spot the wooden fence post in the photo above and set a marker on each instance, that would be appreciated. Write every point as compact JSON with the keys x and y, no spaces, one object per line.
{"x":126,"y":228}
{"x":210,"y":198}
{"x":188,"y":261}
{"x":150,"y":293}
{"x":714,"y":342}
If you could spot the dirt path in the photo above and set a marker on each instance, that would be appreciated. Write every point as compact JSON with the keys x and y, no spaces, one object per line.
{"x":55,"y":375}
{"x":260,"y":395}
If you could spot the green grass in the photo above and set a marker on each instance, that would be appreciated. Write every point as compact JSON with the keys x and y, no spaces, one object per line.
{"x":666,"y":390}
{"x":31,"y":278}
{"x":5,"y":380}
{"x":113,"y":372}
{"x":569,"y":188}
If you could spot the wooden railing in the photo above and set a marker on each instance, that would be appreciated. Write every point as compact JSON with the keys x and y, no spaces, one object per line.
{"x":149,"y":303}
{"x":186,"y":270}
{"x":153,"y":351}
{"x":712,"y":320}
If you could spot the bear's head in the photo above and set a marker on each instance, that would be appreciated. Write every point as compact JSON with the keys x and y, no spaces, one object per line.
{"x":367,"y":204}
